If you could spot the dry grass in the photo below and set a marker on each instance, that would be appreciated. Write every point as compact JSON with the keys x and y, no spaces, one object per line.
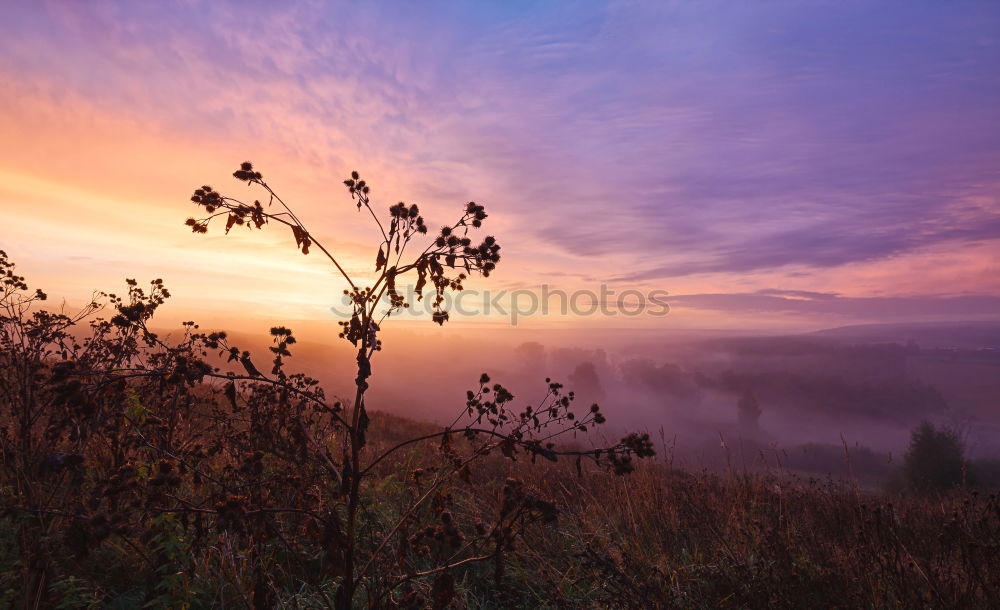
{"x":666,"y":538}
{"x":656,"y":538}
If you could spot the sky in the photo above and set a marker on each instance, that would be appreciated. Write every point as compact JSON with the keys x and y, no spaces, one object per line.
{"x":771,"y":165}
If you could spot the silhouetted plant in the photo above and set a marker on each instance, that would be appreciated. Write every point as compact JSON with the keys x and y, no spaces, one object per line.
{"x":443,"y":263}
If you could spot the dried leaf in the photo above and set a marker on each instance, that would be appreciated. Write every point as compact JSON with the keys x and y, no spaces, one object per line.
{"x":301,"y":239}
{"x":390,"y":282}
{"x":363,"y":422}
{"x":248,"y":365}
{"x":421,"y":278}
{"x":231,"y":394}
{"x":507,"y":447}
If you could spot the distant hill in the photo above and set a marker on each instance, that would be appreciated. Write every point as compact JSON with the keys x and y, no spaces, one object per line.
{"x":965,"y":335}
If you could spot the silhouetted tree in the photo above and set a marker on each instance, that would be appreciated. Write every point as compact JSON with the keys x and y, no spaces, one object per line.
{"x":935,"y":461}
{"x":586,"y":382}
{"x":531,"y":356}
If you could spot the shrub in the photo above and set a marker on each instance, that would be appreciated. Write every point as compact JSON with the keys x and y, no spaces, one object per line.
{"x":232,"y":481}
{"x":935,"y":461}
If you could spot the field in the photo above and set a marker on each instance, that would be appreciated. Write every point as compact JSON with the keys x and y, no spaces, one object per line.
{"x":655,"y":538}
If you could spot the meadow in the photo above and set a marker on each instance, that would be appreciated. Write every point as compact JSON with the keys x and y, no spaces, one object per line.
{"x":181,"y":471}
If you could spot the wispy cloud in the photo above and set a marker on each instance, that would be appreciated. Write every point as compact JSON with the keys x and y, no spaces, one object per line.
{"x":862,"y":308}
{"x":630,"y":141}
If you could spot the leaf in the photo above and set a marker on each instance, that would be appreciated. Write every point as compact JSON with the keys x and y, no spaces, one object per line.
{"x":230,"y":222}
{"x":421,"y":278}
{"x":390,"y":282}
{"x":355,"y":329}
{"x":363,"y":422}
{"x":257,"y":214}
{"x":301,"y":238}
{"x":380,"y":260}
{"x":231,"y":394}
{"x":250,"y":368}
{"x":507,"y":447}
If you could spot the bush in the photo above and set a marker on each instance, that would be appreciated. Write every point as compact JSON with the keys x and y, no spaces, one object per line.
{"x":935,"y":461}
{"x":182,"y":472}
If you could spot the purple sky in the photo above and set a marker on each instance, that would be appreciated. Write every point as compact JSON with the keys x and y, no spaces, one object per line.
{"x":727,"y":151}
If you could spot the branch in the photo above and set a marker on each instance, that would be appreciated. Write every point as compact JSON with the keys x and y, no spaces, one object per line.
{"x":520,"y":442}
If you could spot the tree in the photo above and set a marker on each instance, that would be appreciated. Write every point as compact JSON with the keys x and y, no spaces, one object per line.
{"x":587,"y":382}
{"x":531,"y":357}
{"x":935,"y":461}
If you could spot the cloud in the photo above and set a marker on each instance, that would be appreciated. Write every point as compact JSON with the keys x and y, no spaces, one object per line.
{"x":882,"y":308}
{"x":634,"y":141}
{"x":824,"y":246}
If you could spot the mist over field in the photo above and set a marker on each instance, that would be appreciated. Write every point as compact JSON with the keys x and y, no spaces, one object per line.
{"x":858,"y":389}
